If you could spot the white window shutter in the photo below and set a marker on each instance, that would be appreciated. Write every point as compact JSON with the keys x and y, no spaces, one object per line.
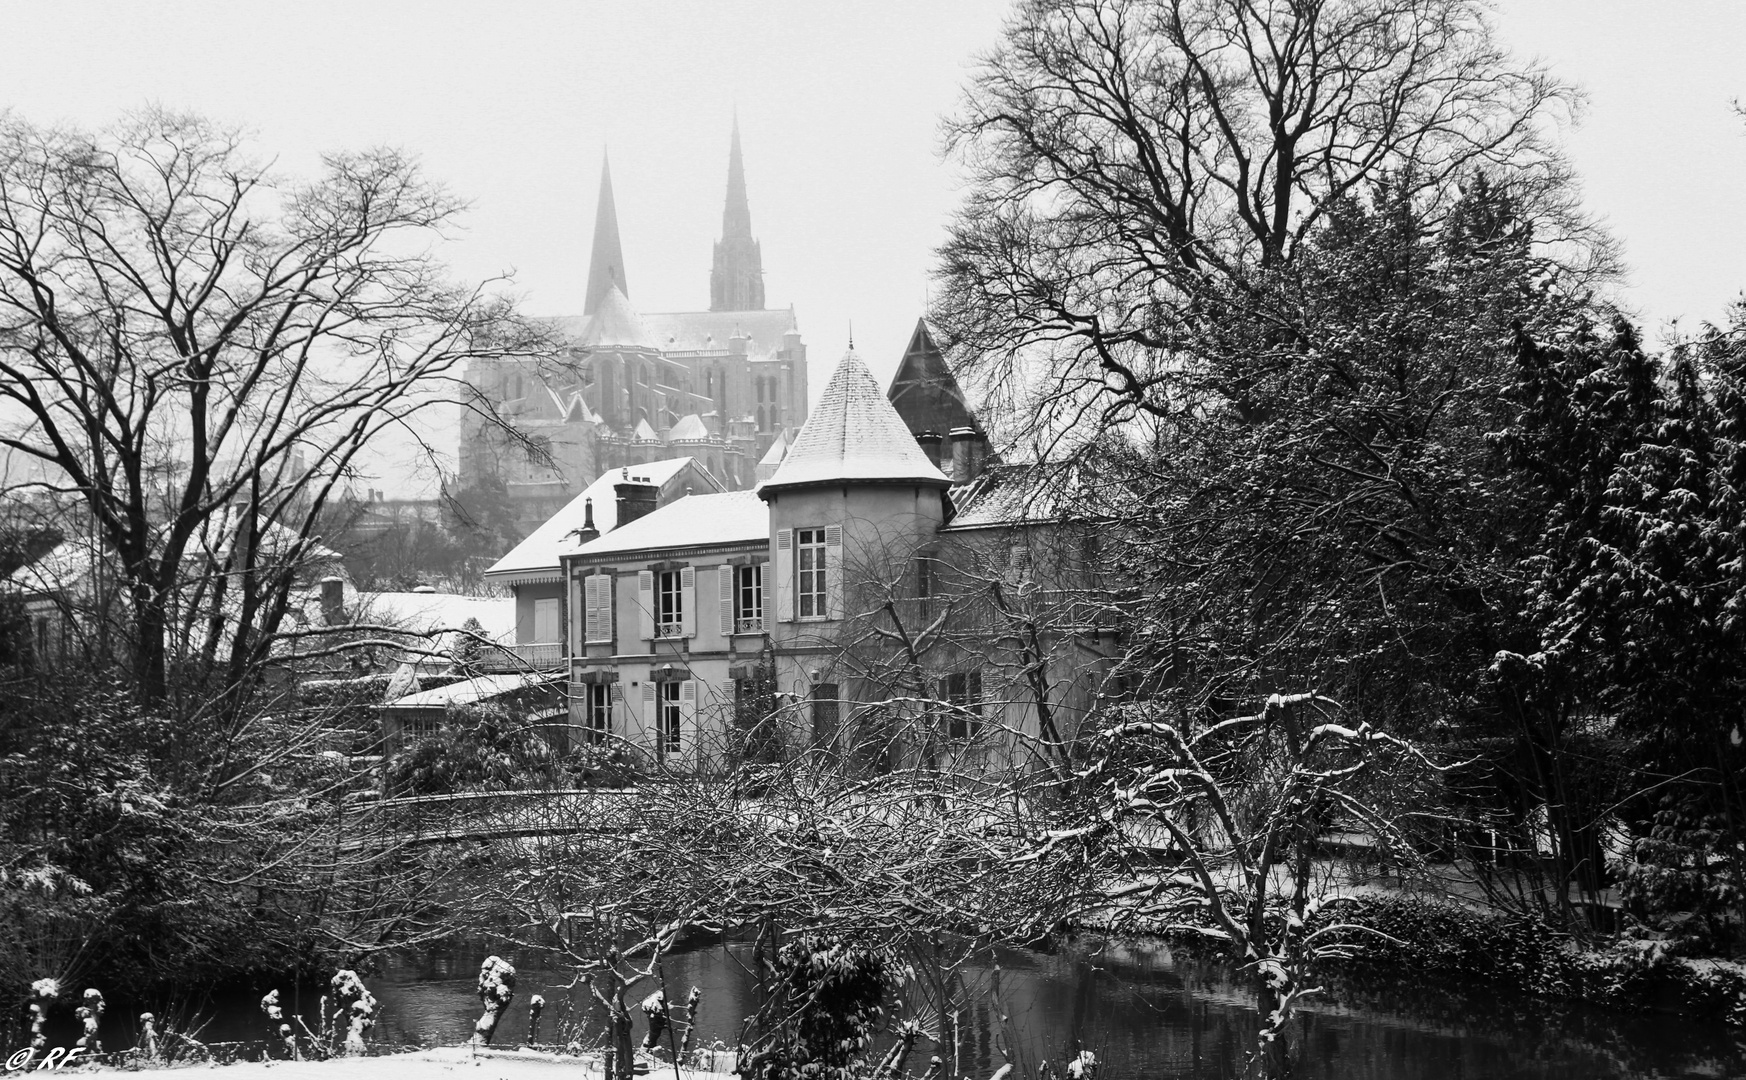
{"x":688,"y":602}
{"x":603,"y":587}
{"x":646,"y":604}
{"x":834,"y":571}
{"x":784,"y":575}
{"x":651,"y":721}
{"x":688,"y":720}
{"x":727,"y":601}
{"x":591,"y":608}
{"x":764,"y":593}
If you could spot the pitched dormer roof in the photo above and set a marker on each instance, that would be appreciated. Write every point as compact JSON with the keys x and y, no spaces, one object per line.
{"x":853,"y":435}
{"x":924,"y":392}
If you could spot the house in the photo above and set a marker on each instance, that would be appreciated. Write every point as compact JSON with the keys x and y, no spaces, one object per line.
{"x":874,"y":527}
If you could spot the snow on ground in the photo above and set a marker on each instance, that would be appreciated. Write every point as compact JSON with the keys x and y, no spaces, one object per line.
{"x":458,"y":1061}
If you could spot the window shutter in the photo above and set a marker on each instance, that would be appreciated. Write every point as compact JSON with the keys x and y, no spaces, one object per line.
{"x":603,"y":589}
{"x":646,"y":605}
{"x":651,"y":721}
{"x":591,"y":608}
{"x":688,"y":720}
{"x":785,"y":575}
{"x":726,"y":574}
{"x":1021,"y":560}
{"x":688,"y":602}
{"x":834,"y":571}
{"x":763,"y":594}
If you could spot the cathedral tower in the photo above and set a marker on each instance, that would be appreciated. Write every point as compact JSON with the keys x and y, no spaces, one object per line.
{"x":736,"y":282}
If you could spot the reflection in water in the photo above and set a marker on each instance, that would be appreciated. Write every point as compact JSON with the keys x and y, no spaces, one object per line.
{"x":1148,"y":1013}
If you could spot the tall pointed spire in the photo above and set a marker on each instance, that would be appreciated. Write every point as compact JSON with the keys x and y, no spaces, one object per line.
{"x":606,"y":264}
{"x":736,"y":282}
{"x":736,"y":216}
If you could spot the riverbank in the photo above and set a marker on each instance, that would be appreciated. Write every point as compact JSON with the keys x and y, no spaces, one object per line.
{"x":1453,"y":942}
{"x":468,"y":1061}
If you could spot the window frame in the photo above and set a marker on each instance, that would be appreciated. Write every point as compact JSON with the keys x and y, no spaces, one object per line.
{"x":811,"y":542}
{"x":749,"y":598}
{"x":673,"y":599}
{"x":669,"y":718}
{"x":597,"y":714}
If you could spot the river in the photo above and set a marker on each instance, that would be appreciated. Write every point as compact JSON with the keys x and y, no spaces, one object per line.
{"x":1147,"y":1011}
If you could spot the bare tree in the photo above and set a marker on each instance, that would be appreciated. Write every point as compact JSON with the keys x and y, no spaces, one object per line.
{"x":199,"y":350}
{"x":1135,"y":164}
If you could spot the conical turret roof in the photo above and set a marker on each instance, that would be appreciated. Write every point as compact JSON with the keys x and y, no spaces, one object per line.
{"x":606,"y":261}
{"x":854,"y":435}
{"x":923,"y":391}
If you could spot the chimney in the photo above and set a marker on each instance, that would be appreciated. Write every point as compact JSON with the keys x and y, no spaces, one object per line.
{"x":333,"y":601}
{"x":930,"y":443}
{"x":587,"y":532}
{"x":635,"y":499}
{"x":969,"y":450}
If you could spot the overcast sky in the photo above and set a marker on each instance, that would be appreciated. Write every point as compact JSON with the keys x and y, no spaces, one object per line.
{"x":512,"y":105}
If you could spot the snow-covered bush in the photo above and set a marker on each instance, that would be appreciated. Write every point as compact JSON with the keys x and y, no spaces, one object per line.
{"x":355,"y":1007}
{"x":496,"y":988}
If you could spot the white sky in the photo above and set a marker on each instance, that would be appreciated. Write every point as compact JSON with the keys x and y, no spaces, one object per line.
{"x":512,"y":103}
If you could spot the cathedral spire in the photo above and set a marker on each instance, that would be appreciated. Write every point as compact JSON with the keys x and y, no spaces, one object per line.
{"x":736,"y":282}
{"x":606,"y":264}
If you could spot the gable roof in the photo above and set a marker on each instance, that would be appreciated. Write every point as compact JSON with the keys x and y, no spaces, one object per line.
{"x":923,"y":391}
{"x":853,"y":434}
{"x":734,"y":517}
{"x":554,"y":539}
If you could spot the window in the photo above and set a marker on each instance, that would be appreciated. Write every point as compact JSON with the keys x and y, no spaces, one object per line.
{"x":964,"y":695}
{"x":924,"y":588}
{"x":669,"y":604}
{"x":597,"y":714}
{"x":548,"y":626}
{"x":810,"y":546}
{"x":538,"y":449}
{"x":749,"y":599}
{"x":668,"y":723}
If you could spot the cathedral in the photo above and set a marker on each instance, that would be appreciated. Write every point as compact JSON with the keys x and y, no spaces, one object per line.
{"x":726,"y":386}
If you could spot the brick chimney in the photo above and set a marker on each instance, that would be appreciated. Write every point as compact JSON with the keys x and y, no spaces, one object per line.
{"x":636,"y":498}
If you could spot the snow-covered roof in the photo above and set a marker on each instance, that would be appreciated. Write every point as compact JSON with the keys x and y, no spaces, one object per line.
{"x":469,"y":691}
{"x":438,"y":613}
{"x":854,"y":434}
{"x":689,"y":428}
{"x":556,"y":538}
{"x":645,"y":433}
{"x":1036,"y":493}
{"x":734,"y":517}
{"x":615,"y":324}
{"x":778,"y":450}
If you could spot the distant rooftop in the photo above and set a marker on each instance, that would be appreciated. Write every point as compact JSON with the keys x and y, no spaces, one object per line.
{"x":734,"y":517}
{"x":556,"y":538}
